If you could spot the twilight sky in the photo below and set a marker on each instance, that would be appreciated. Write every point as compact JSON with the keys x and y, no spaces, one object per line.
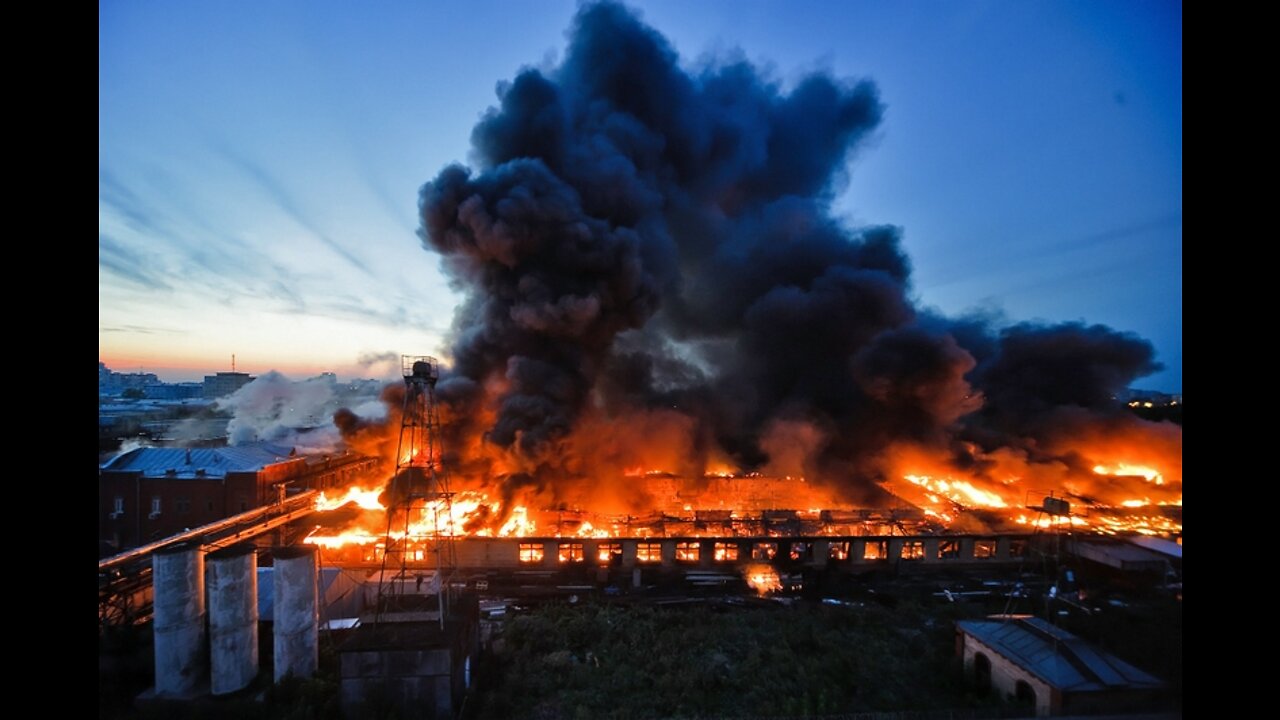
{"x":259,"y":163}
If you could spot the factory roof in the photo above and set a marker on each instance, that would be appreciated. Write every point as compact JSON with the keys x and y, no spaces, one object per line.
{"x":1054,"y":655}
{"x":1121,"y":555}
{"x":341,"y":593}
{"x":1160,"y":545}
{"x":199,"y":462}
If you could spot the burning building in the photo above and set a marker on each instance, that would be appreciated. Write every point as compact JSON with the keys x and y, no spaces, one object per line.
{"x":666,"y":330}
{"x":151,"y":492}
{"x":672,"y":356}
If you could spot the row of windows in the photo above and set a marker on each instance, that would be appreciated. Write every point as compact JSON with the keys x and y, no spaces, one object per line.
{"x":181,"y":505}
{"x":691,"y":552}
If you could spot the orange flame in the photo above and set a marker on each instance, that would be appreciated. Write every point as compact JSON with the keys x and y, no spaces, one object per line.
{"x":762,"y":578}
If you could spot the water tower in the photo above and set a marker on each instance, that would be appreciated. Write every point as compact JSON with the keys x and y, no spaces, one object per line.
{"x":418,"y":561}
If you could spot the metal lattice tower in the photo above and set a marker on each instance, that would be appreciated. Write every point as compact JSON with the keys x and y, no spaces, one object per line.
{"x":1047,"y":538}
{"x":420,"y":529}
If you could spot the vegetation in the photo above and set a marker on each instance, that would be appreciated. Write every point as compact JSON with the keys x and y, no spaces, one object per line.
{"x":603,"y":661}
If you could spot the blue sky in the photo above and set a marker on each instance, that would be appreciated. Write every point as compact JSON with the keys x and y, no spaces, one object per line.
{"x":259,"y":162}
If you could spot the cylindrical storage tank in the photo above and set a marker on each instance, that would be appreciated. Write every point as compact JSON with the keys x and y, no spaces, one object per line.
{"x":177,"y":575}
{"x":296,"y":616}
{"x":233,"y":618}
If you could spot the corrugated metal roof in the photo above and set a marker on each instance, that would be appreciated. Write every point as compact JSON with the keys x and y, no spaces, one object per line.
{"x":199,"y":462}
{"x":1119,"y":555}
{"x":1056,"y":656}
{"x":341,"y":593}
{"x":1160,"y":545}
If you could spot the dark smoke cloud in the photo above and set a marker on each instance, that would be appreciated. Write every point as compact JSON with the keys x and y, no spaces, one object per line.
{"x":635,"y":235}
{"x":1072,"y":364}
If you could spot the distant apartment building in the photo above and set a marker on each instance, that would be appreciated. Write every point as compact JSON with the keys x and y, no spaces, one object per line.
{"x":225,"y":383}
{"x":175,"y":391}
{"x":114,"y":383}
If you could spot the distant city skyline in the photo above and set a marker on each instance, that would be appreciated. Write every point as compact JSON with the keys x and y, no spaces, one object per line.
{"x":259,"y":164}
{"x":301,"y":372}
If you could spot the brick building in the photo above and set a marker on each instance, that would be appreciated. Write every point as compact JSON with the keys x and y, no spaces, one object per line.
{"x":1049,"y":670}
{"x":150,"y":493}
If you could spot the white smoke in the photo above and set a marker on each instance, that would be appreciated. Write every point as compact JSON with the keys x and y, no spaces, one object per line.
{"x":298,"y":413}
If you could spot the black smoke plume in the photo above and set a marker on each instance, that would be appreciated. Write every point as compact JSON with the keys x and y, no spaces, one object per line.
{"x":638,"y":239}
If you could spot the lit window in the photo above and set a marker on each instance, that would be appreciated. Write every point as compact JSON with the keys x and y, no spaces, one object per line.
{"x":764,"y":550}
{"x":119,"y":505}
{"x":531,"y":552}
{"x":155,"y":504}
{"x":948,"y":549}
{"x":726,"y":552}
{"x":799,"y":550}
{"x":571,"y":552}
{"x":913,"y":550}
{"x":984,"y":549}
{"x":838,"y":551}
{"x":609,"y":552}
{"x":688,"y":551}
{"x":649,"y":552}
{"x":875,"y":550}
